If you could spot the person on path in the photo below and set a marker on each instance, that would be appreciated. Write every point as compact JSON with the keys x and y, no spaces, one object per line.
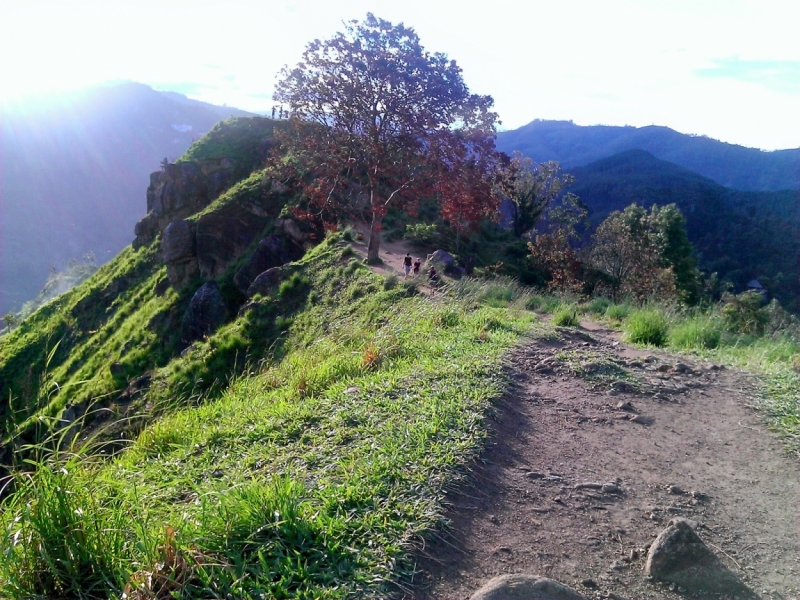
{"x":417,"y":265}
{"x":407,"y":265}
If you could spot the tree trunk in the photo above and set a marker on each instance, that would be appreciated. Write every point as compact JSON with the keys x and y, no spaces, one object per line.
{"x":374,"y":239}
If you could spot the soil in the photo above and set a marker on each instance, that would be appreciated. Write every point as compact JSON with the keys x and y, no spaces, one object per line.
{"x":674,"y":437}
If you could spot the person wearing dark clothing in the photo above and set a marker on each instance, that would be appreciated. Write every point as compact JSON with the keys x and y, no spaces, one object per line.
{"x":417,"y":265}
{"x":406,"y":265}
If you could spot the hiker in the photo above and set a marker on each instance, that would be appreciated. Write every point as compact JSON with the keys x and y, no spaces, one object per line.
{"x":407,"y":265}
{"x":417,"y":265}
{"x":433,"y":276}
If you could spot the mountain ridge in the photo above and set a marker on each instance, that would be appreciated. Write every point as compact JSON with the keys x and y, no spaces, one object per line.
{"x":730,"y":165}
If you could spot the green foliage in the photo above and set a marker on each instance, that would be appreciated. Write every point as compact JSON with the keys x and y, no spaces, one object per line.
{"x":744,"y":313}
{"x":646,"y":326}
{"x":421,"y":233}
{"x":598,"y":306}
{"x":618,"y":312}
{"x":699,"y":332}
{"x":566,"y":316}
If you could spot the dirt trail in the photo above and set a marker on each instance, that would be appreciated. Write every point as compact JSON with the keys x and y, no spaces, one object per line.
{"x":686,"y":445}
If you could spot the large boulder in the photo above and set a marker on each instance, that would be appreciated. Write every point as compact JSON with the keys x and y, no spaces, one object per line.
{"x":679,"y":556}
{"x":525,"y":587}
{"x":266,"y":282}
{"x":221,"y":239}
{"x":177,"y":243}
{"x":443,"y":258}
{"x":269,"y":253}
{"x":205,"y":313}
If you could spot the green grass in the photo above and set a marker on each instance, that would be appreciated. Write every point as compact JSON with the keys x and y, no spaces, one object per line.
{"x":695,"y":333}
{"x":566,"y":316}
{"x":309,"y":475}
{"x":646,"y":326}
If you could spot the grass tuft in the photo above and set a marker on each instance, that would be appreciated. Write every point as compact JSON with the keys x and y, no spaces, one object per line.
{"x":646,"y":326}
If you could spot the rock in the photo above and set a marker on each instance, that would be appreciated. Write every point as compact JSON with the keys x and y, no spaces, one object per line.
{"x":589,"y":486}
{"x":624,"y":405}
{"x":352,"y":390}
{"x":221,"y":240}
{"x":682,"y":368}
{"x":117,"y":370}
{"x":698,"y":495}
{"x":611,"y":488}
{"x":690,"y":522}
{"x":177,"y":243}
{"x":589,"y":583}
{"x":136,"y":388}
{"x":205,"y":313}
{"x":444,"y":258}
{"x":642,"y":420}
{"x":617,"y":565}
{"x":293,"y":231}
{"x":678,"y":556}
{"x":674,"y":489}
{"x":663,"y":368}
{"x":525,"y":587}
{"x":269,"y":253}
{"x":623,"y":387}
{"x":266,"y":282}
{"x":535,"y":475}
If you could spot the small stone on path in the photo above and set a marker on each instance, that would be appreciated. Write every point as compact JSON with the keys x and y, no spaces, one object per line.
{"x":525,"y":587}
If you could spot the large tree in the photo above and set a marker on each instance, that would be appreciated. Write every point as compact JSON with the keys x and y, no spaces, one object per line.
{"x":380,"y":118}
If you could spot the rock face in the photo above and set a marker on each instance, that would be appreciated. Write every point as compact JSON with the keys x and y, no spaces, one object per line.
{"x":679,"y":556}
{"x":525,"y":587}
{"x":269,"y":253}
{"x":181,"y":190}
{"x":205,"y":313}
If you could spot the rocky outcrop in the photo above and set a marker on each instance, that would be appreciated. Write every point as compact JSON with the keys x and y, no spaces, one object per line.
{"x":205,"y":313}
{"x":270,"y":252}
{"x":679,"y":556}
{"x":525,"y":587}
{"x":181,"y":190}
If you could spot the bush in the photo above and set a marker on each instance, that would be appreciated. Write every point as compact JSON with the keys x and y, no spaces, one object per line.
{"x":744,"y":313}
{"x":533,"y":302}
{"x":646,"y":326}
{"x":696,"y":333}
{"x":598,"y":306}
{"x":420,"y":233}
{"x":618,"y":312}
{"x":566,"y":316}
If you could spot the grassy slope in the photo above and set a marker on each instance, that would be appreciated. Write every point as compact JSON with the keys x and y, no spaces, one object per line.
{"x":308,"y":476}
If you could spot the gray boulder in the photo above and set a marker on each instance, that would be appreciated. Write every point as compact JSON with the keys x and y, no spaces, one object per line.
{"x":269,"y":253}
{"x":525,"y":587}
{"x":442,"y":257}
{"x":177,"y":243}
{"x":679,"y":556}
{"x":265,"y":282}
{"x":205,"y":313}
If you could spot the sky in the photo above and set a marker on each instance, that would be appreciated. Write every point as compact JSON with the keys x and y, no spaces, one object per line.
{"x":728,"y":69}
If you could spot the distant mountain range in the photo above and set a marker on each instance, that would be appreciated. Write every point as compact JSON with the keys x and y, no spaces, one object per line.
{"x":741,"y":235}
{"x":74,"y":170}
{"x":728,"y":164}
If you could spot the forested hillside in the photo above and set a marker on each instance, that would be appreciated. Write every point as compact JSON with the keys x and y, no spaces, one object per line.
{"x":739,"y":235}
{"x":728,"y":164}
{"x":74,"y":169}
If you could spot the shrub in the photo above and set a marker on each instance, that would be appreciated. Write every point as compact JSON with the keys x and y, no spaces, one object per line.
{"x":598,"y":306}
{"x":551,"y":304}
{"x":420,"y":233}
{"x":696,"y":333}
{"x":390,"y":282}
{"x":744,"y":313}
{"x":566,"y":316}
{"x":533,"y":302}
{"x":646,"y":326}
{"x":618,"y":312}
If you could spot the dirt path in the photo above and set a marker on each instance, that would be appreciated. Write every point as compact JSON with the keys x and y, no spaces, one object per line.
{"x":686,"y":445}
